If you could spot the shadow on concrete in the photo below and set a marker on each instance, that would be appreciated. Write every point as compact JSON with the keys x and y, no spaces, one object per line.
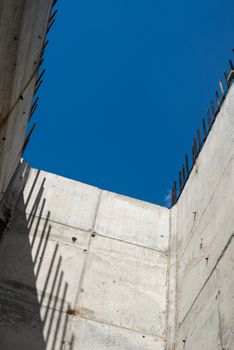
{"x":33,"y":288}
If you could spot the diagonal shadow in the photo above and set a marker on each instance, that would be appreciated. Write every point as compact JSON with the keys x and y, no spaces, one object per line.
{"x":33,"y":288}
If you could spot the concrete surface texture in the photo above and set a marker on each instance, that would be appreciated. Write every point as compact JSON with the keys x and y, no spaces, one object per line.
{"x":83,"y":268}
{"x":204,"y":243}
{"x":23,"y":25}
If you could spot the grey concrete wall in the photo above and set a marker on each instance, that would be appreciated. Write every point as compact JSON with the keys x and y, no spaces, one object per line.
{"x":22,"y":29}
{"x":204,"y":245}
{"x":83,"y":269}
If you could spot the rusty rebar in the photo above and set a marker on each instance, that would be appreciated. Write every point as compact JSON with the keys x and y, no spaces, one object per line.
{"x":195,"y":146}
{"x":204,"y":127}
{"x":44,"y":47}
{"x":180,"y":181}
{"x":31,"y":114}
{"x":193,"y":155}
{"x":226,"y":78}
{"x":221,"y":89}
{"x":183,"y":174}
{"x":186,"y":165}
{"x":231,"y":64}
{"x":53,"y":15}
{"x":212,"y":108}
{"x":172,"y":197}
{"x":175,"y":190}
{"x":50,"y":25}
{"x":33,"y":108}
{"x":40,"y":63}
{"x":217,"y":99}
{"x":208,"y":117}
{"x":39,"y":78}
{"x":199,"y":138}
{"x":26,"y":141}
{"x":37,"y":87}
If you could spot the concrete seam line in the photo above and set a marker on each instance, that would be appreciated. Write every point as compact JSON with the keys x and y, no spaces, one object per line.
{"x":69,"y":332}
{"x":97,"y":209}
{"x":163,"y":252}
{"x":217,"y":184}
{"x":216,"y":264}
{"x":82,"y":273}
{"x":119,"y":327}
{"x":194,"y":226}
{"x":90,"y":231}
{"x":220,"y":322}
{"x":56,"y":222}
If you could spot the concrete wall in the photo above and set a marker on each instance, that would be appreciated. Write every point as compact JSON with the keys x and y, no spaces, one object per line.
{"x":83,"y":269}
{"x":204,"y":246}
{"x":22,"y":29}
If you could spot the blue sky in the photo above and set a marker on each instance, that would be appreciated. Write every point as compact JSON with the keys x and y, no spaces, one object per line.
{"x":126,"y":85}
